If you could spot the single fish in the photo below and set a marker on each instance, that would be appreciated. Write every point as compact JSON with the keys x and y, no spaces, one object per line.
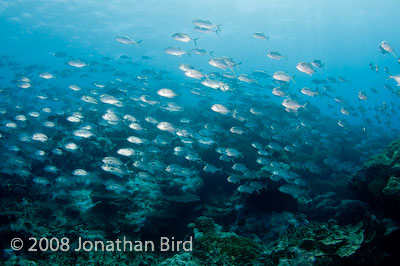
{"x":166,"y":126}
{"x":275,"y":55}
{"x":126,"y":40}
{"x":309,"y":92}
{"x":387,"y":47}
{"x":193,"y":73}
{"x":317,"y":63}
{"x":260,"y":36}
{"x":305,"y":68}
{"x":211,"y":169}
{"x":219,"y":108}
{"x":396,"y":78}
{"x":46,"y":75}
{"x":292,"y":104}
{"x":183,"y":37}
{"x":205,"y":24}
{"x":176,"y":51}
{"x":282,"y":76}
{"x":168,"y":93}
{"x":76,"y":63}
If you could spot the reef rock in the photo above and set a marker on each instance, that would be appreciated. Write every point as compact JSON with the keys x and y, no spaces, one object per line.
{"x":378,"y":181}
{"x":213,"y":246}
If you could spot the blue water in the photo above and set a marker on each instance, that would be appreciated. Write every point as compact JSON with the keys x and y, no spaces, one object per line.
{"x":343,"y":34}
{"x":326,"y":147}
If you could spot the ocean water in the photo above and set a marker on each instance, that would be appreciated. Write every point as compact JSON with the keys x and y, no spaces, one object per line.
{"x":150,"y":119}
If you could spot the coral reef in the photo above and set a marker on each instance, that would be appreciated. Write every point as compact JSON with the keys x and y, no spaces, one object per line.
{"x":378,"y":181}
{"x":212,"y":246}
{"x":321,"y":240}
{"x":333,"y":227}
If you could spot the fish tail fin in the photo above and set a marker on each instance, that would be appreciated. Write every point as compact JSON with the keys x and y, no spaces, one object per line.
{"x":211,"y":53}
{"x":293,"y":79}
{"x":126,"y":165}
{"x":218,"y":30}
{"x":137,"y":43}
{"x":195,"y":41}
{"x":267,"y":38}
{"x":220,"y":170}
{"x":188,"y":52}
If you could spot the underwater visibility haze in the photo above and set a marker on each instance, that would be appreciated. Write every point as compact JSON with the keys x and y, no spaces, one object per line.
{"x":220,"y":132}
